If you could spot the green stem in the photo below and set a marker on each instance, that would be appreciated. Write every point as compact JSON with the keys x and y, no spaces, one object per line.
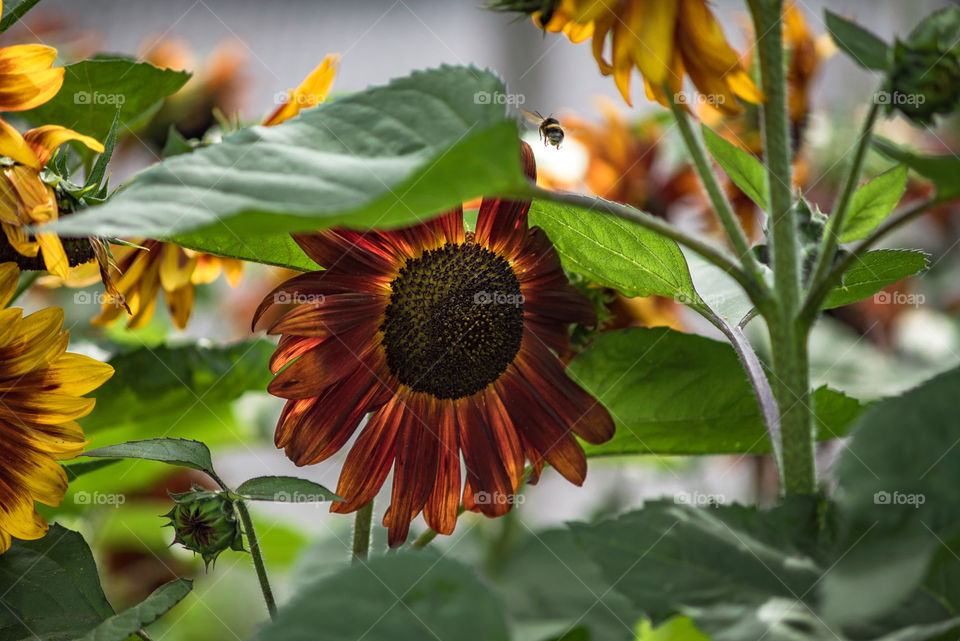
{"x":25,"y":282}
{"x":143,"y":634}
{"x":758,"y":295}
{"x":791,"y":375}
{"x":424,"y":539}
{"x":721,"y":205}
{"x":257,"y":555}
{"x":834,"y":227}
{"x":823,"y":288}
{"x":361,"y":532}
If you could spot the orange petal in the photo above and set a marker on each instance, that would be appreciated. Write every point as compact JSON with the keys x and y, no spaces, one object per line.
{"x":45,"y":140}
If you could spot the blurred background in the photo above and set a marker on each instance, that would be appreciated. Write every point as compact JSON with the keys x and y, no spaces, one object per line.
{"x":244,"y":55}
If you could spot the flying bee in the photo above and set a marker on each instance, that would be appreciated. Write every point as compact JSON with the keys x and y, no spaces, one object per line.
{"x":550,"y":130}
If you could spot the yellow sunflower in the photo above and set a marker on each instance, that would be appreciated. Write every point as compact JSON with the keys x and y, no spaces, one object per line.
{"x":663,"y":39}
{"x":41,"y":396}
{"x":155,"y":265}
{"x":27,"y":78}
{"x":27,"y":200}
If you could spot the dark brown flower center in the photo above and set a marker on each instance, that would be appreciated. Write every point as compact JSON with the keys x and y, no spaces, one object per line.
{"x":454,"y":321}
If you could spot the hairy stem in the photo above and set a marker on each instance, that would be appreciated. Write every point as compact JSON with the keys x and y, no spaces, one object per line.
{"x":361,"y":532}
{"x":791,"y":375}
{"x":257,"y":555}
{"x":721,"y":205}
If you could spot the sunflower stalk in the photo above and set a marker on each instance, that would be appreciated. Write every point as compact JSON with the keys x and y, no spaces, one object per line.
{"x":788,"y":334}
{"x":361,"y":532}
{"x":257,"y":554}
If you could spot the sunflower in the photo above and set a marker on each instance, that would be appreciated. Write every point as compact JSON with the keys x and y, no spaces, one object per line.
{"x":152,"y":265}
{"x":27,"y":77}
{"x":41,"y":396}
{"x":663,"y":39}
{"x":446,"y":336}
{"x":25,"y":199}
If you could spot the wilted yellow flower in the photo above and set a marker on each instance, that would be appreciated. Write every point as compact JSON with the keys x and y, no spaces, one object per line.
{"x":664,"y":40}
{"x":25,"y":199}
{"x":42,"y":387}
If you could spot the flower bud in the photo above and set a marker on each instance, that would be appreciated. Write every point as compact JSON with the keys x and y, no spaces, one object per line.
{"x":205,"y":522}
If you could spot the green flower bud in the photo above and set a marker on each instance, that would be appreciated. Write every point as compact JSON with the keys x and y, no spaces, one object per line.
{"x":205,"y":522}
{"x":925,"y":75}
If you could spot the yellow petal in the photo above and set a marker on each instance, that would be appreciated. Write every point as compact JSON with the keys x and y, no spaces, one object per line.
{"x":47,"y":481}
{"x":9,"y":277}
{"x":45,"y":140}
{"x":26,"y":58}
{"x":53,"y":255}
{"x":19,"y":240}
{"x":21,"y":91}
{"x":12,"y":145}
{"x":623,"y":42}
{"x":602,"y":27}
{"x":176,"y":267}
{"x":20,"y":520}
{"x":655,"y":25}
{"x":311,"y":92}
{"x":71,"y":374}
{"x":180,"y":305}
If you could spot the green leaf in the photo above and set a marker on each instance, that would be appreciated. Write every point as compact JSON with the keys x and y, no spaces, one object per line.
{"x":743,"y":168}
{"x":874,"y":271}
{"x":614,"y":252}
{"x":402,"y":596}
{"x":125,"y":624}
{"x":50,"y":588}
{"x":285,"y":489}
{"x":176,"y":144}
{"x":94,"y":89}
{"x":941,"y":170}
{"x":76,"y":470}
{"x":670,"y":558}
{"x":663,"y":405}
{"x":100,"y":167}
{"x":270,"y":249}
{"x":175,"y":451}
{"x":898,"y":482}
{"x":169,"y":381}
{"x":866,"y":49}
{"x":13,"y":10}
{"x":386,"y":156}
{"x":873,"y":202}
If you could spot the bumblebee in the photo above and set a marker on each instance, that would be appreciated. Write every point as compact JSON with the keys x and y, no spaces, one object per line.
{"x":550,"y":130}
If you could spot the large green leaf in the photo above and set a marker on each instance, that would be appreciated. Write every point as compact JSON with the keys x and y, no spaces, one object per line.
{"x":874,"y":271}
{"x":128,"y":622}
{"x":898,"y":483}
{"x":942,"y":171}
{"x":615,"y":252}
{"x":285,"y":489}
{"x":270,"y":249}
{"x":93,"y":89}
{"x":152,"y":382}
{"x":175,"y":451}
{"x":744,"y":169}
{"x":13,"y":10}
{"x":866,"y":49}
{"x":387,"y":156}
{"x":676,"y":393}
{"x":50,"y":589}
{"x":403,"y":596}
{"x":873,"y":202}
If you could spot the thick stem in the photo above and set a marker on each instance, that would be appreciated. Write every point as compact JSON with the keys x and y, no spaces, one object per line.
{"x":257,"y":555}
{"x":834,"y":227}
{"x":791,"y":375}
{"x":361,"y":532}
{"x":721,"y":205}
{"x":757,"y":293}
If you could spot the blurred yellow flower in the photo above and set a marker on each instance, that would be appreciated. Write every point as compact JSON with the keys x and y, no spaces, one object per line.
{"x":42,"y":386}
{"x":663,"y":39}
{"x":311,"y":92}
{"x":25,"y":199}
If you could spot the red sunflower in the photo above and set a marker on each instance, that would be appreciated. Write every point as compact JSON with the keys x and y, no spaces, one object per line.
{"x":448,"y":337}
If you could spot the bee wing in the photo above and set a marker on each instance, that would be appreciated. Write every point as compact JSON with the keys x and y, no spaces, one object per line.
{"x":532,"y":117}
